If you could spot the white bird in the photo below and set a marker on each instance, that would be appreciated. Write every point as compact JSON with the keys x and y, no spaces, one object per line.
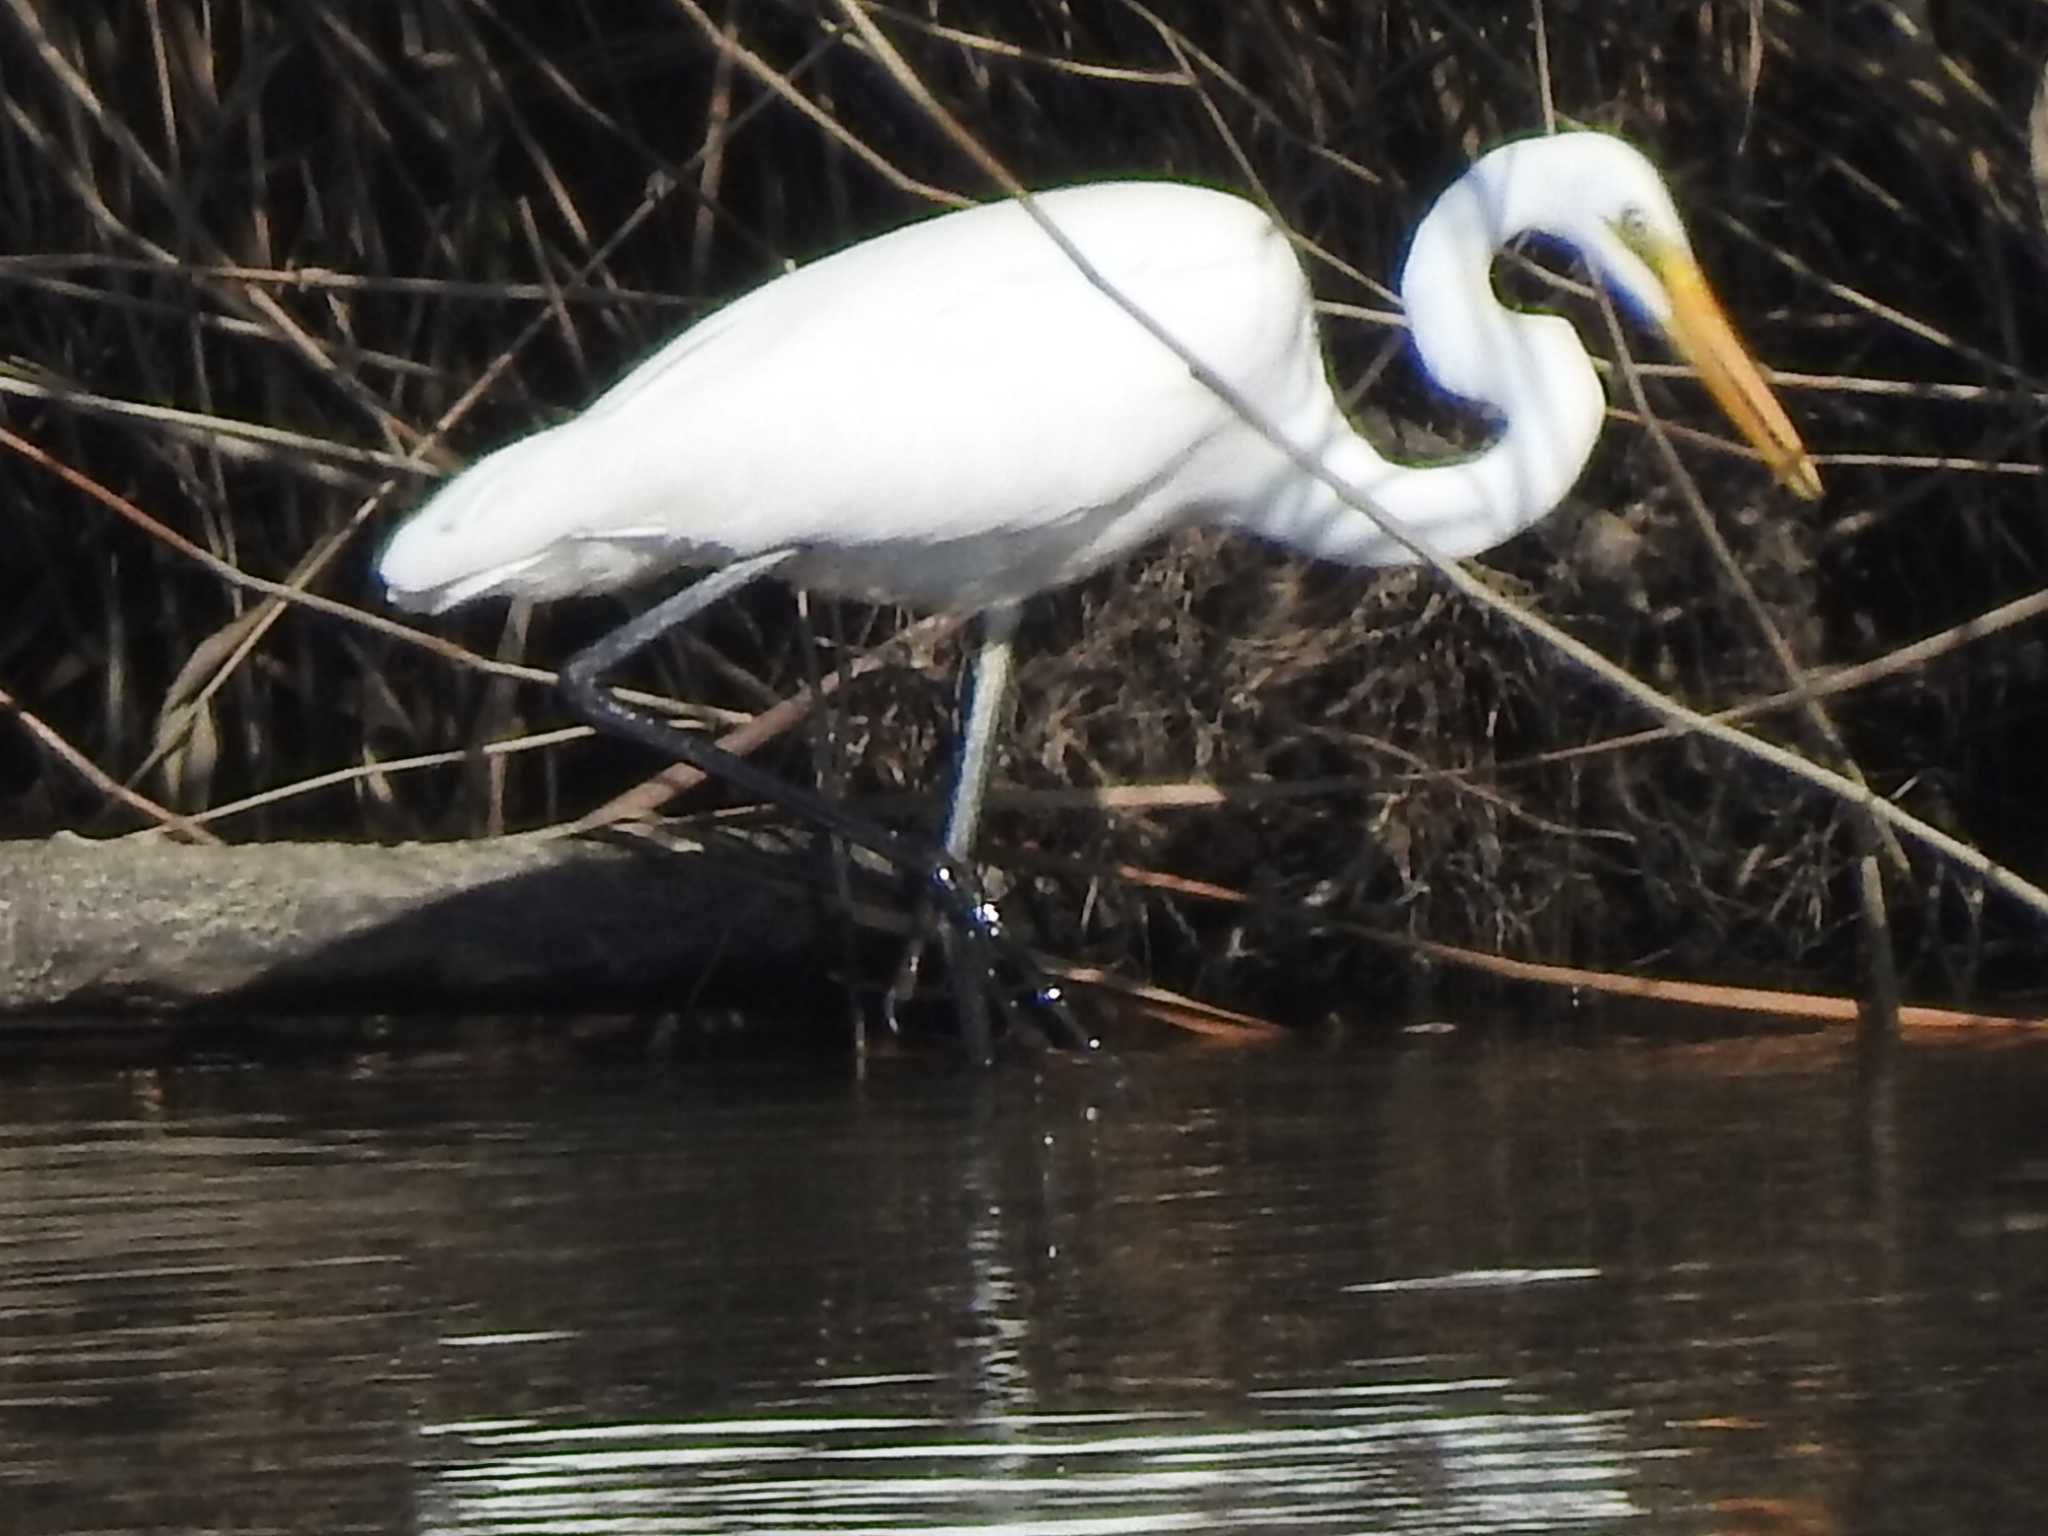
{"x":955,"y":416}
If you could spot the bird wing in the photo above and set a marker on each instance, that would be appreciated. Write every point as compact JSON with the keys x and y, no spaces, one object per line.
{"x":950,"y":415}
{"x":959,"y":380}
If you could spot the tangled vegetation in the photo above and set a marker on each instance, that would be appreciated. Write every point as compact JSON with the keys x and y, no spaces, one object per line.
{"x":274,"y":267}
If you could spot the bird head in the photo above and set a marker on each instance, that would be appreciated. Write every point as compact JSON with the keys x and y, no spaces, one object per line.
{"x":1602,"y":196}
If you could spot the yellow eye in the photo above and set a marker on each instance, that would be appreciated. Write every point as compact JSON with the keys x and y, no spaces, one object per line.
{"x":1634,"y":227}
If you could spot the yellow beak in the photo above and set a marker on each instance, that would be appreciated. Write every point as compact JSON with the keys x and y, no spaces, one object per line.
{"x":1701,"y":332}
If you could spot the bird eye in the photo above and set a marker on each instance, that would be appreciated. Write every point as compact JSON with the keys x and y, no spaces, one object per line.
{"x":1634,"y":226}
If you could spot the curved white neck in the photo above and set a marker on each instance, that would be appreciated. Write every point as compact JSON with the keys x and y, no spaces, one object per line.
{"x":1528,"y":370}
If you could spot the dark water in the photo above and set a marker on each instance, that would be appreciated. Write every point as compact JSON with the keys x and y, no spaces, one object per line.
{"x":1444,"y":1287}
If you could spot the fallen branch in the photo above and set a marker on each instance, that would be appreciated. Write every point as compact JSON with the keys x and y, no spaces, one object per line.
{"x":142,"y":927}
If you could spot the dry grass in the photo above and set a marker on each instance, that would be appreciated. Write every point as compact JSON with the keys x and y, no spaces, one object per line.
{"x":273,"y":267}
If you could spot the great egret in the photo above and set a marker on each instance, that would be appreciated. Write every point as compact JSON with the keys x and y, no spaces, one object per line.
{"x":955,"y":416}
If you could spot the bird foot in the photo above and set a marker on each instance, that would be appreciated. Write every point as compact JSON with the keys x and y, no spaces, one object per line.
{"x":989,"y":965}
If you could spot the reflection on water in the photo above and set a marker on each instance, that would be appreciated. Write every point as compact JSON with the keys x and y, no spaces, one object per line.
{"x":1731,"y":1287}
{"x":1433,"y":1456}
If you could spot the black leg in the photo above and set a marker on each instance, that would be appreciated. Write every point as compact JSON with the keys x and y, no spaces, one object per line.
{"x":947,"y":884}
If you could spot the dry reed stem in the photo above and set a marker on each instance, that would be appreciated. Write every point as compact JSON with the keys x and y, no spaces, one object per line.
{"x":289,"y":594}
{"x":1719,"y":996}
{"x":90,"y":771}
{"x":1822,"y":682}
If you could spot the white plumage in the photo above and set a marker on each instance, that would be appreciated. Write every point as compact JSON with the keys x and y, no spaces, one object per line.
{"x":953,"y":416}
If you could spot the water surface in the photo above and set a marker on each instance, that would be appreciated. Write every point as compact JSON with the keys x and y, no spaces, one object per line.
{"x":1445,"y":1286}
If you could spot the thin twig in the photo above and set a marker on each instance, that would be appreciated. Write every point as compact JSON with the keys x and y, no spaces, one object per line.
{"x":91,"y":772}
